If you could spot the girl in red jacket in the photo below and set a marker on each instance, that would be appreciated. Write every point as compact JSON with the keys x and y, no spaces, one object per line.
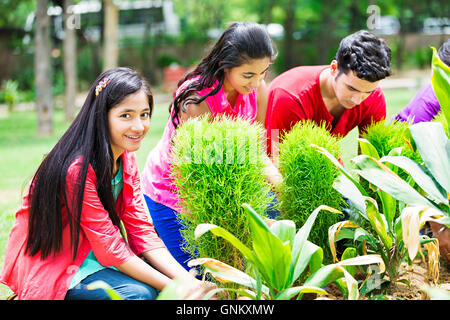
{"x":83,"y":217}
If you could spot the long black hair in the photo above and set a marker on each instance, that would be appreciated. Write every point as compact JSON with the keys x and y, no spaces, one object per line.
{"x":87,"y":138}
{"x":239,"y":43}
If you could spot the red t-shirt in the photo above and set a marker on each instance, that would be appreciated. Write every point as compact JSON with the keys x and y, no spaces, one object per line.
{"x":295,"y":95}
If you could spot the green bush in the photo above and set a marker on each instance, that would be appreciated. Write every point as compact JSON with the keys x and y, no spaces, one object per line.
{"x":387,"y":136}
{"x":308,"y":179}
{"x":217,"y":166}
{"x":440,"y":117}
{"x":9,"y":93}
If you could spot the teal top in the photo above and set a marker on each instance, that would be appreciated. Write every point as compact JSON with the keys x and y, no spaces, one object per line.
{"x":91,"y":265}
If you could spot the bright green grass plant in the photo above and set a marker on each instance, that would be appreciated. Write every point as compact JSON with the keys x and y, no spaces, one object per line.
{"x":308,"y":179}
{"x":217,"y":166}
{"x":387,"y":136}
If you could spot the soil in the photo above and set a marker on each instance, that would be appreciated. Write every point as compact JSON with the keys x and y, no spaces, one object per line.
{"x":409,"y":287}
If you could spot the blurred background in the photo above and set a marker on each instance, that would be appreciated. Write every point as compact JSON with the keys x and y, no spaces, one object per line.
{"x":52,"y":51}
{"x":69,"y":42}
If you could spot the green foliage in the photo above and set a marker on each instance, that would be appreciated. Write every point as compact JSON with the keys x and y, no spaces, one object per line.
{"x":278,"y":255}
{"x":440,"y":80}
{"x":9,"y":93}
{"x":308,"y":179}
{"x":440,"y":117}
{"x":166,"y":60}
{"x":387,"y":136}
{"x":389,"y":235}
{"x":217,"y":166}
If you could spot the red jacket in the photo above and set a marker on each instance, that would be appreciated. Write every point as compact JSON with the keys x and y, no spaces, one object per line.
{"x":33,"y":278}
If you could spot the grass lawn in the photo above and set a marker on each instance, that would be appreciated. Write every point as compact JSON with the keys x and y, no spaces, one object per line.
{"x":22,"y":151}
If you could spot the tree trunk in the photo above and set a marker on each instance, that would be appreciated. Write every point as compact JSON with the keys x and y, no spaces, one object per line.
{"x":70,"y":60}
{"x":42,"y":70}
{"x":288,"y":42}
{"x":110,"y":46}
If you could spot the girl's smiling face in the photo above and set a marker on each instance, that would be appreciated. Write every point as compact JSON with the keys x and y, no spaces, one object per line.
{"x":247,"y":76}
{"x":128,"y":123}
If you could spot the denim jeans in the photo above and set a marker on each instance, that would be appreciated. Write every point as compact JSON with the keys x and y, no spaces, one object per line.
{"x":127,"y":287}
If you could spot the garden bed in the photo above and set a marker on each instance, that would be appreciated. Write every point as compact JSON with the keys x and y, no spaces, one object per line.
{"x":408,"y":288}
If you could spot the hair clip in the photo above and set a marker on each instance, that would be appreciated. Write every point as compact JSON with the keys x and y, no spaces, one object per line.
{"x":101,"y":85}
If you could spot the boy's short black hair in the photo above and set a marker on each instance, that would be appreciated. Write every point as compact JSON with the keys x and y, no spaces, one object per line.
{"x":444,"y":52}
{"x":365,"y":54}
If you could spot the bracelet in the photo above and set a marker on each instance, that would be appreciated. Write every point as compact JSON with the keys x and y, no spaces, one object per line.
{"x":439,"y":231}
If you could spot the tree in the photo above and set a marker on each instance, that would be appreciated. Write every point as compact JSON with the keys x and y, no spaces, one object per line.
{"x":42,"y":69}
{"x":70,"y":60}
{"x":110,"y":44}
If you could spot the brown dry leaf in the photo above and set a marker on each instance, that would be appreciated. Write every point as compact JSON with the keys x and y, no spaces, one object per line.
{"x":333,"y":231}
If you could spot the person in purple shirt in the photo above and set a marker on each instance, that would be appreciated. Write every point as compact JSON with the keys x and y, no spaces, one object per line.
{"x":424,"y":106}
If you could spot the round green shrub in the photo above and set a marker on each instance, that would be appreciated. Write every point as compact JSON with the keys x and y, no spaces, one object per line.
{"x":217,"y":166}
{"x":387,"y":136}
{"x":308,"y":179}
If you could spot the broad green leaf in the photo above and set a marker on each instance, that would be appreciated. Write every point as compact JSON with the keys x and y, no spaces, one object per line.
{"x":381,"y":176}
{"x":440,"y":81}
{"x":340,"y":167}
{"x":420,"y":176}
{"x":434,"y":148}
{"x":349,"y":190}
{"x":224,"y":273}
{"x":378,"y":224}
{"x":219,"y":231}
{"x":348,"y":254}
{"x":289,"y":293}
{"x":274,"y":255}
{"x":389,"y":205}
{"x":302,"y":236}
{"x":284,"y":230}
{"x":367,"y":148}
{"x":310,"y":254}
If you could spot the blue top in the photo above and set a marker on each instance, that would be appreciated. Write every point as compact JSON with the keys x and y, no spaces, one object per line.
{"x":91,"y":265}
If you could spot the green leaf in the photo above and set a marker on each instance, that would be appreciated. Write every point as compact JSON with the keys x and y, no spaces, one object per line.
{"x":378,"y":224}
{"x":349,"y":190}
{"x":220,"y":232}
{"x":367,"y":148}
{"x":289,"y":293}
{"x":223,"y":272}
{"x":420,"y":176}
{"x":440,"y":81}
{"x":340,"y":167}
{"x":113,"y":295}
{"x":302,"y":236}
{"x":381,"y":176}
{"x":310,"y":254}
{"x":274,"y":255}
{"x":347,"y":254}
{"x":284,"y":230}
{"x":434,"y":148}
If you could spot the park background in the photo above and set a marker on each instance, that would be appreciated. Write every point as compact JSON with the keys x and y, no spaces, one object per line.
{"x":51,"y":52}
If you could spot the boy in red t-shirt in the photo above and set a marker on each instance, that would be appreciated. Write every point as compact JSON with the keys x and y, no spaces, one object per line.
{"x":344,"y":94}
